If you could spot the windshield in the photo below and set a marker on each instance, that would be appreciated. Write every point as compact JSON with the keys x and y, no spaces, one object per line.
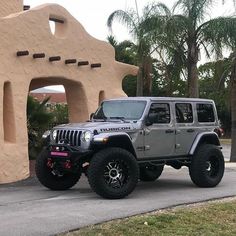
{"x":127,"y":110}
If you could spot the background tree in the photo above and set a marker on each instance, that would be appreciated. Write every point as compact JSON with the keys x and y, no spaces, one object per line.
{"x":187,"y":25}
{"x":213,"y":87}
{"x":60,"y":114}
{"x":125,"y":52}
{"x":230,"y":74}
{"x":38,"y":120}
{"x":233,"y":106}
{"x":144,"y":48}
{"x":217,"y":36}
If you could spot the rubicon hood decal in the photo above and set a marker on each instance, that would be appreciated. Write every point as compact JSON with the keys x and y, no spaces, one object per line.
{"x":114,"y":129}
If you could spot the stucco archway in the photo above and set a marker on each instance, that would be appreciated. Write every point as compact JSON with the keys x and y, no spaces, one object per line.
{"x":75,"y":95}
{"x":31,"y":56}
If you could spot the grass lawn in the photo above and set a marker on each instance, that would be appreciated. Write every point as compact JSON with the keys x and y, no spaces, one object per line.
{"x":214,"y":218}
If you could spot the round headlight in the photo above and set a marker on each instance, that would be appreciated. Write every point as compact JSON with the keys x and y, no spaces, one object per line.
{"x":87,"y":135}
{"x":46,"y":134}
{"x":54,"y":134}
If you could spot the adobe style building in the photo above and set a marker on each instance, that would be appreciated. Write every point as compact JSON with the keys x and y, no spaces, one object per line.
{"x":33,"y":57}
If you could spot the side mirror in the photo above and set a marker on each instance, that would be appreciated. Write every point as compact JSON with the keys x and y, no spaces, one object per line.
{"x":150,"y":119}
{"x":91,"y":116}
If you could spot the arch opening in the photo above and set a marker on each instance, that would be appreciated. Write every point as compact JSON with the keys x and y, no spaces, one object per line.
{"x":74,"y":92}
{"x":60,"y":107}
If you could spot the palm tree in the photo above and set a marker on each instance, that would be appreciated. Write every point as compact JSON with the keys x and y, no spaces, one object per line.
{"x":233,"y":109}
{"x":230,"y":72}
{"x":144,"y":48}
{"x":125,"y":51}
{"x":188,"y":30}
{"x":218,"y":37}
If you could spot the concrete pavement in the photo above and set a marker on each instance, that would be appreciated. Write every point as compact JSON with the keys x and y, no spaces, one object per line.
{"x":226,"y":149}
{"x":27,"y":208}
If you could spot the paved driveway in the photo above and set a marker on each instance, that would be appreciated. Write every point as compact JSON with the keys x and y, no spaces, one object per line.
{"x":26,"y":208}
{"x":226,"y":149}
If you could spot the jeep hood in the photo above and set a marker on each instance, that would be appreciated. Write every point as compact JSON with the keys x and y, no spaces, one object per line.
{"x":99,"y":126}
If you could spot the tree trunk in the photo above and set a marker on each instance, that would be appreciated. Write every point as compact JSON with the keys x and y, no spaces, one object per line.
{"x":169,"y":82}
{"x":147,"y":70}
{"x":139,"y":91}
{"x":233,"y":112}
{"x":192,"y":70}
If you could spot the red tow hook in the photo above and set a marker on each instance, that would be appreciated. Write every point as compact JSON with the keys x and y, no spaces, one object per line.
{"x":49,"y":163}
{"x":67,"y":165}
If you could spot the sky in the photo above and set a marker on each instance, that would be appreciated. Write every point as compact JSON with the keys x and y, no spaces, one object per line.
{"x":93,"y":14}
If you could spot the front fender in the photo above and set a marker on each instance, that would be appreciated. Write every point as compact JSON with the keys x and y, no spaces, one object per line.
{"x":104,"y":137}
{"x":118,"y":139}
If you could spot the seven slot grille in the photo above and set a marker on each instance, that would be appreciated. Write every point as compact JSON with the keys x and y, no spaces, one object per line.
{"x":72,"y":136}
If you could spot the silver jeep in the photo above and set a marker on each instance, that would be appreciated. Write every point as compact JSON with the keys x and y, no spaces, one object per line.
{"x":132,"y":139}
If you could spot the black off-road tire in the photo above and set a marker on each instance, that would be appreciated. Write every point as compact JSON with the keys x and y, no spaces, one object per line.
{"x":103,"y":163}
{"x":53,"y":182}
{"x":207,"y":166}
{"x":150,"y":173}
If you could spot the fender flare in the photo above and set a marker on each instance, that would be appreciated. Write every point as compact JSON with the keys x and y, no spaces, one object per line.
{"x":100,"y":137}
{"x":213,"y":139}
{"x":106,"y":138}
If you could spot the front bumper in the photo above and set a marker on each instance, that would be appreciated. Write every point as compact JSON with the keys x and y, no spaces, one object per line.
{"x":67,"y":152}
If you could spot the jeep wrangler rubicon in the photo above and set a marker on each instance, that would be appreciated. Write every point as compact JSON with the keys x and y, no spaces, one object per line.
{"x":132,"y":139}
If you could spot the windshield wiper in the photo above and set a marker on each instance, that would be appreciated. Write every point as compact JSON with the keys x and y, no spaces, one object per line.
{"x":118,"y":118}
{"x":100,"y":118}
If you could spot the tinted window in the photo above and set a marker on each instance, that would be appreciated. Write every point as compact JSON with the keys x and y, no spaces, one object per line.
{"x":184,"y":113}
{"x":130,"y":110}
{"x":205,"y":113}
{"x":161,"y":112}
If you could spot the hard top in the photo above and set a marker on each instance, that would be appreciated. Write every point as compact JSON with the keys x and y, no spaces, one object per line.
{"x":171,"y":99}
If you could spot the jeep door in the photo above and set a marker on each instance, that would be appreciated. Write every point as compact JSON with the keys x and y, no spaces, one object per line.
{"x":186,"y":129}
{"x":159,"y":138}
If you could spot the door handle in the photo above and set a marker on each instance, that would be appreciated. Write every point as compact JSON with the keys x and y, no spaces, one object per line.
{"x":190,"y":130}
{"x":169,"y":131}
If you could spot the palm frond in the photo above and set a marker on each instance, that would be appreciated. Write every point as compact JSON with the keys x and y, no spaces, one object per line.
{"x":196,"y":10}
{"x":177,"y":25}
{"x":156,"y":9}
{"x":127,"y":18}
{"x":218,"y":33}
{"x":111,"y":39}
{"x":206,"y":50}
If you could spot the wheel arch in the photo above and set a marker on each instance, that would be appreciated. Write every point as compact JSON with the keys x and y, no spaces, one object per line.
{"x":121,"y":140}
{"x":207,"y":138}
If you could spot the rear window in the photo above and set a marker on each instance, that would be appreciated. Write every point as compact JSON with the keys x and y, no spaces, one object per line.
{"x":205,"y":113}
{"x":161,"y":112}
{"x":184,"y":113}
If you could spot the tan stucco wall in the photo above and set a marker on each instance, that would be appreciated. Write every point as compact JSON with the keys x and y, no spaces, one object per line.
{"x":8,"y":7}
{"x":29,"y":30}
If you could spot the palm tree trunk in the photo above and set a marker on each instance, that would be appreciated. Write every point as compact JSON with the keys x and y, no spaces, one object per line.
{"x":192,"y":70}
{"x":169,"y":82}
{"x":148,"y":77}
{"x":233,"y":112}
{"x":139,"y":91}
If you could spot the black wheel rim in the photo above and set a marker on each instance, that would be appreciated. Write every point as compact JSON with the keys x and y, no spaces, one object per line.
{"x":212,"y":166}
{"x":54,"y":170}
{"x":116,"y":174}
